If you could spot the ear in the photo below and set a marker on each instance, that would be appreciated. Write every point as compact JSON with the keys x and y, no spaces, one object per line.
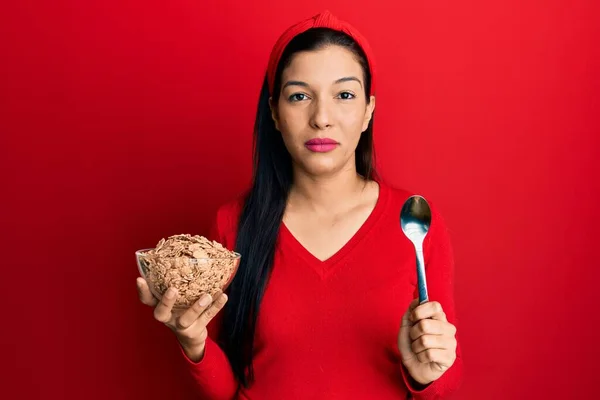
{"x":274,"y":114}
{"x":368,"y":113}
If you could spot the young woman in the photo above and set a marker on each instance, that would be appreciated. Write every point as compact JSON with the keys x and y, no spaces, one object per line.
{"x":323,"y":305}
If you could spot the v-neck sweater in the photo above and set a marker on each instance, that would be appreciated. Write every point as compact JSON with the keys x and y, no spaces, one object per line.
{"x":328,"y":329}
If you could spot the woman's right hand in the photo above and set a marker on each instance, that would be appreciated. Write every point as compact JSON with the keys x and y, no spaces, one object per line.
{"x":189,"y":326}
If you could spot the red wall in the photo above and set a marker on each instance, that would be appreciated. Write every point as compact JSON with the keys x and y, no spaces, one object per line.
{"x":126,"y":121}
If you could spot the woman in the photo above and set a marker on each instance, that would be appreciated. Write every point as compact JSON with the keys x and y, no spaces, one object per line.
{"x":321,"y":305}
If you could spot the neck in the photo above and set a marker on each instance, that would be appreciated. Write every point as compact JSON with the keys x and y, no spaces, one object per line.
{"x":325,"y":193}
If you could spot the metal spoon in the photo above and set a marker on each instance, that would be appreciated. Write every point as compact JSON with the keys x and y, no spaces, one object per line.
{"x":415,"y":219}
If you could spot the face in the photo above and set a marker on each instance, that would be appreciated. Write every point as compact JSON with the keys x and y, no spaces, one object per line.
{"x":322,"y":110}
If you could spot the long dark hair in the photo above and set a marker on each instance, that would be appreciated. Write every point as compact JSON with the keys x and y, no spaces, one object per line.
{"x":265,"y":202}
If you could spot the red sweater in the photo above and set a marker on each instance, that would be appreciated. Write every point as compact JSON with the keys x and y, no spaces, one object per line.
{"x":328,"y":329}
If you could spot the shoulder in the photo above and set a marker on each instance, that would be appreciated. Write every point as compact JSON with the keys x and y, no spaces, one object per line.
{"x":225,"y":220}
{"x":397,"y":196}
{"x":231,"y":209}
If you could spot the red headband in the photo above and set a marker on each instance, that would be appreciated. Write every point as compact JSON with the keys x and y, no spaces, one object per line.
{"x":322,"y":20}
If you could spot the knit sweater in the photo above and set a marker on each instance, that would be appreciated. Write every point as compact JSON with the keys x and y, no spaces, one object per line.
{"x":328,"y":329}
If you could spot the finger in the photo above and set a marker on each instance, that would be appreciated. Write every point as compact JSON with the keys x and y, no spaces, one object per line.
{"x":431,"y":327}
{"x":214,"y":308}
{"x":407,"y":317}
{"x":162,"y":312}
{"x":444,"y":358}
{"x":431,"y":309}
{"x":440,"y":342}
{"x":191,"y":315}
{"x":404,"y":340}
{"x":144,"y":293}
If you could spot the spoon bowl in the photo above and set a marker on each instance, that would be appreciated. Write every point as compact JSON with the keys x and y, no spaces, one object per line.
{"x":415,"y":220}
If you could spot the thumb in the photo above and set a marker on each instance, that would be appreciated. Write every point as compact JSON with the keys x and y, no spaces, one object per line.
{"x":146,"y":297}
{"x":404,"y":340}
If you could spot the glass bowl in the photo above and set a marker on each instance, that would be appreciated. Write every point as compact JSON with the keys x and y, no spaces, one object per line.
{"x":191,"y":276}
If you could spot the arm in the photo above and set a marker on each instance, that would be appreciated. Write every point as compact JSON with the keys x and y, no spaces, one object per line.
{"x":212,"y":374}
{"x":439,"y":263}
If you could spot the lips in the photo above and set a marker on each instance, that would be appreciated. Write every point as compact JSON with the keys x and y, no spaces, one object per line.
{"x":318,"y":141}
{"x":321,"y":145}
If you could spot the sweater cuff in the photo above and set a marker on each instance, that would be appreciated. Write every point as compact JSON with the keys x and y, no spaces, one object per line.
{"x":411,"y":384}
{"x":212,"y":375}
{"x":442,"y":387}
{"x":209,"y":352}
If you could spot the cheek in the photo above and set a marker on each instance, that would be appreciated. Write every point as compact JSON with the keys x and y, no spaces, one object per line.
{"x":289,"y":141}
{"x":289,"y":124}
{"x":290,"y":132}
{"x":351,"y":122}
{"x":290,"y":129}
{"x":351,"y":115}
{"x":291,"y":120}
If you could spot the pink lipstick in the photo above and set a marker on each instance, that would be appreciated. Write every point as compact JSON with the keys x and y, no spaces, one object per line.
{"x":321,"y":145}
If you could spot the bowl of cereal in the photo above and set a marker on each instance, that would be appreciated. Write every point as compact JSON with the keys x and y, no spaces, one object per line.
{"x":193,"y":265}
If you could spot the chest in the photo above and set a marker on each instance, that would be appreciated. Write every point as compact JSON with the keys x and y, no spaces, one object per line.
{"x":358,"y":301}
{"x":324,"y":235}
{"x":324,"y":239}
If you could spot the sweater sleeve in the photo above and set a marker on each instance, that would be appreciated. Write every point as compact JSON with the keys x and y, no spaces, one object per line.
{"x":213,"y":376}
{"x":439,"y":267}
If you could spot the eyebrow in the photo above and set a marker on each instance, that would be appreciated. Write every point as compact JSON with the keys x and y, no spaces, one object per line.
{"x":348,"y":79}
{"x":304,"y":84}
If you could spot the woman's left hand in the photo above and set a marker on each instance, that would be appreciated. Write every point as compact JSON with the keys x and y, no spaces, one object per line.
{"x":426,"y":341}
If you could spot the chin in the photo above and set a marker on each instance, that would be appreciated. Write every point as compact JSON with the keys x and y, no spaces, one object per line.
{"x":321,"y":167}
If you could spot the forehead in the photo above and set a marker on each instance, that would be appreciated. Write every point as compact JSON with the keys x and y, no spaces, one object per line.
{"x":324,"y":65}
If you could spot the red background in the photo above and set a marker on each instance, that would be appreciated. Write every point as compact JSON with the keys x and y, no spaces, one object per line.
{"x":126,"y":121}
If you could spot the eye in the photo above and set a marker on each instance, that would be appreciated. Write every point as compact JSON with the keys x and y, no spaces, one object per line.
{"x":297,"y":97}
{"x":346,"y":95}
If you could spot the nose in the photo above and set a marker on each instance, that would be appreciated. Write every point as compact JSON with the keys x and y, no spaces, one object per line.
{"x":321,"y":117}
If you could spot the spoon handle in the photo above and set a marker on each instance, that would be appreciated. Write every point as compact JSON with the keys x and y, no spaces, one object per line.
{"x":421,"y":281}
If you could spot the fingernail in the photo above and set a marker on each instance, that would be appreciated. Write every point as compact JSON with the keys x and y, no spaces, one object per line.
{"x":170,"y":293}
{"x":204,"y":301}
